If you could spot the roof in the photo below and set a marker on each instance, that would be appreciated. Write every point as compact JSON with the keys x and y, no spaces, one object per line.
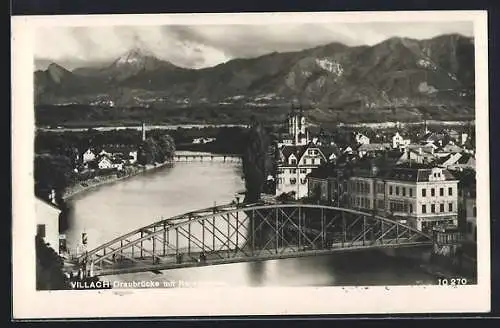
{"x":329,"y":150}
{"x":288,"y":150}
{"x":433,"y":136}
{"x":465,"y":158}
{"x":46,"y":202}
{"x":322,"y":172}
{"x":299,"y":151}
{"x":451,"y":148}
{"x":374,"y":147}
{"x":415,"y":173}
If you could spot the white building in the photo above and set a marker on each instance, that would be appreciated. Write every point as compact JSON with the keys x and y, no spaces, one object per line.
{"x":104,"y":163}
{"x":361,"y":139}
{"x":88,"y":156}
{"x":298,"y":161}
{"x":398,"y":141}
{"x":133,"y":156}
{"x":423,"y":197}
{"x":47,"y":222}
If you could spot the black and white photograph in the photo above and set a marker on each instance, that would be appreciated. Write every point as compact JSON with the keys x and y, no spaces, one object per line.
{"x":184,"y":153}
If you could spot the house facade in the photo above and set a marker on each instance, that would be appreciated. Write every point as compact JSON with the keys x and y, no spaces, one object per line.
{"x":88,"y":156}
{"x":420,"y":197}
{"x":399,"y":142}
{"x":361,"y":139}
{"x":47,"y":222}
{"x":295,"y":163}
{"x":104,"y":163}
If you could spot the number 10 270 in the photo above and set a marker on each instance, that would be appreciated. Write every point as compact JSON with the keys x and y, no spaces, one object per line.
{"x":452,"y":281}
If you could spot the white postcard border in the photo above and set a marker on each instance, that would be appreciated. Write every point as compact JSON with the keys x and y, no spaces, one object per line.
{"x":29,"y":303}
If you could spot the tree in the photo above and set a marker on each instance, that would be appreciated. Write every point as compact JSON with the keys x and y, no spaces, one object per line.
{"x":167,"y":146}
{"x":52,"y":172}
{"x":49,"y":268}
{"x":256,"y":161}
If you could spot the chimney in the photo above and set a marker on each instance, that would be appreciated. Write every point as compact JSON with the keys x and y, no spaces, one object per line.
{"x":52,"y":196}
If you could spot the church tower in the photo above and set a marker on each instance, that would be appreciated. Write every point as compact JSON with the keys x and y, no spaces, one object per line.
{"x":297,"y":126}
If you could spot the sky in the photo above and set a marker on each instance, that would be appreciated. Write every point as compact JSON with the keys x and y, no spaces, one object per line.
{"x":199,"y":46}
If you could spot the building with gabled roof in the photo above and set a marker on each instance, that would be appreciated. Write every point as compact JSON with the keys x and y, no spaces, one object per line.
{"x":47,"y":222}
{"x":295,"y":162}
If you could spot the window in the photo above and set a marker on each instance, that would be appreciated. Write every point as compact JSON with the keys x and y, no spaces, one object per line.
{"x":293,"y":161}
{"x":411,"y":192}
{"x":441,"y":191}
{"x":380,"y":203}
{"x":433,"y":193}
{"x":450,"y":207}
{"x":441,"y":207}
{"x":397,"y":207}
{"x":424,"y":192}
{"x":424,"y":209}
{"x":293,"y":181}
{"x":303,"y":181}
{"x":450,"y":191}
{"x":410,"y":208}
{"x":433,"y":208}
{"x":397,"y":191}
{"x":390,"y":190}
{"x":474,"y":211}
{"x":303,"y":171}
{"x":293,"y":171}
{"x":404,"y":191}
{"x":40,"y":230}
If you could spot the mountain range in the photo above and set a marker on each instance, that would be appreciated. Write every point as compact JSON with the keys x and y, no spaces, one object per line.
{"x":398,"y":72}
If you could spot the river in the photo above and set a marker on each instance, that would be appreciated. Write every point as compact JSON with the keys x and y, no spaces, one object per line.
{"x":112,"y":210}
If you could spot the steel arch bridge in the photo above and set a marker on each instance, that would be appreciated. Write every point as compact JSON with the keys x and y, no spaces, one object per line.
{"x":247,"y":232}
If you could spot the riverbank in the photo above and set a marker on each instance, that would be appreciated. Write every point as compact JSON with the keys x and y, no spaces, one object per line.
{"x":87,"y":185}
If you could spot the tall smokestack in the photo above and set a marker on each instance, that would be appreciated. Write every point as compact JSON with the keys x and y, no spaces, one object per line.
{"x":143,"y":131}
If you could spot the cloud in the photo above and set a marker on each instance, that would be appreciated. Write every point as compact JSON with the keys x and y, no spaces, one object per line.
{"x":199,"y":46}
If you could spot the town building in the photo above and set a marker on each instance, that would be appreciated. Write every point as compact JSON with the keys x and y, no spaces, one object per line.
{"x":372,"y":149}
{"x":328,"y":184}
{"x":104,"y":162}
{"x":399,"y":142}
{"x":361,"y":139}
{"x":421,"y":196}
{"x":457,"y":161}
{"x":47,"y":222}
{"x":421,"y":155}
{"x":467,"y":203}
{"x":295,"y":162}
{"x":89,"y":155}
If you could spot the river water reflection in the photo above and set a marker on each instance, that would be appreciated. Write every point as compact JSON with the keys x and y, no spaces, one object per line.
{"x":112,"y":210}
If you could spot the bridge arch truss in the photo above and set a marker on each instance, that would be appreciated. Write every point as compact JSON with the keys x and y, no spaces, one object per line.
{"x":239,"y":233}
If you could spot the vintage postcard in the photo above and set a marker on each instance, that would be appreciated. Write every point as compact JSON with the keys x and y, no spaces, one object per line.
{"x":250,"y":164}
